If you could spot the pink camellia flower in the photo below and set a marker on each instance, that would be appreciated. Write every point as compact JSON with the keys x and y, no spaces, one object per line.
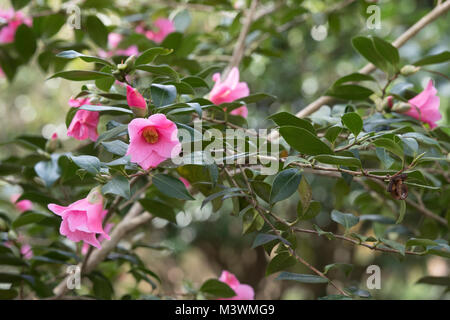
{"x":108,"y":228}
{"x":135,"y":99}
{"x":13,"y":21}
{"x":54,"y":136}
{"x":163,"y":28}
{"x":22,"y":205}
{"x":152,"y":140}
{"x":114,"y":40}
{"x":229,"y":90}
{"x":84,"y":123}
{"x":26,"y":251}
{"x":82,"y":220}
{"x":2,"y":74}
{"x":425,"y":106}
{"x":243,"y":291}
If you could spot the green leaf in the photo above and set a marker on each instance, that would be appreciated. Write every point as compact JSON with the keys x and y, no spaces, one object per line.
{"x":112,"y":133}
{"x":159,"y":209}
{"x":256,"y":97}
{"x":348,"y":220}
{"x":285,"y":184}
{"x":394,"y":245}
{"x":387,"y":51}
{"x":310,"y":213}
{"x":353,"y":122}
{"x":349,"y":92}
{"x":80,"y":75}
{"x":117,"y":147}
{"x":19,"y":4}
{"x":353,"y":77}
{"x":28,"y":218}
{"x":105,"y":84}
{"x":333,"y":132}
{"x":48,"y":171}
{"x":217,"y":288}
{"x":182,"y":20}
{"x":305,"y":193}
{"x":303,"y":278}
{"x":288,"y":119}
{"x":438,"y":281}
{"x":150,"y":54}
{"x":304,"y":141}
{"x":89,"y":163}
{"x":162,"y":70}
{"x":281,"y":261}
{"x":171,"y":187}
{"x":366,"y":47}
{"x":434,"y":59}
{"x":251,"y":221}
{"x":163,"y":95}
{"x":52,"y":24}
{"x":195,"y":82}
{"x":11,"y":260}
{"x":263,"y":238}
{"x":339,"y":160}
{"x":97,"y":31}
{"x":25,"y":41}
{"x":347,"y":268}
{"x":420,"y":242}
{"x":402,"y":211}
{"x":72,"y":54}
{"x":119,"y":186}
{"x":102,"y":287}
{"x":389,"y":145}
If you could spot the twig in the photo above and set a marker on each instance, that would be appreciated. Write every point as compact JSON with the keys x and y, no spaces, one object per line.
{"x":239,"y":49}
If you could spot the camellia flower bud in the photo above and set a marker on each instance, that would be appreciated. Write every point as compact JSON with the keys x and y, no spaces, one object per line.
{"x":388,"y":103}
{"x":401,"y":107}
{"x":52,"y":144}
{"x":136,"y":102}
{"x":130,"y":62}
{"x":409,"y":70}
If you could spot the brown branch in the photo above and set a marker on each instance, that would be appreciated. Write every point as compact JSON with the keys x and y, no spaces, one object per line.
{"x":344,"y":238}
{"x":239,"y":49}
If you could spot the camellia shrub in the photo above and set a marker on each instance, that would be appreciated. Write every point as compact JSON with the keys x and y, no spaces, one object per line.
{"x":158,"y":129}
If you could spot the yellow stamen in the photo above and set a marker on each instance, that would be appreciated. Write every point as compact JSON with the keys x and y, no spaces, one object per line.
{"x":150,"y":135}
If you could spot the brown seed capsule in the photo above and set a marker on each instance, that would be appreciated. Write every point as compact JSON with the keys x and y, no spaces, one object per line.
{"x":397,"y":188}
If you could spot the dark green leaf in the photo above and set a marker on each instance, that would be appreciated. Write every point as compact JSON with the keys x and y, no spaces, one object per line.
{"x":353,"y":122}
{"x":150,"y":54}
{"x":217,"y":288}
{"x":288,"y":119}
{"x":171,"y":187}
{"x":119,"y":186}
{"x":348,"y":220}
{"x":163,"y":95}
{"x":303,"y":278}
{"x":304,"y":141}
{"x":281,"y":261}
{"x":434,"y":59}
{"x":285,"y":184}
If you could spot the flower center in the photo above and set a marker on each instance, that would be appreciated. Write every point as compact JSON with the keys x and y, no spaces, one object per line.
{"x":150,"y":135}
